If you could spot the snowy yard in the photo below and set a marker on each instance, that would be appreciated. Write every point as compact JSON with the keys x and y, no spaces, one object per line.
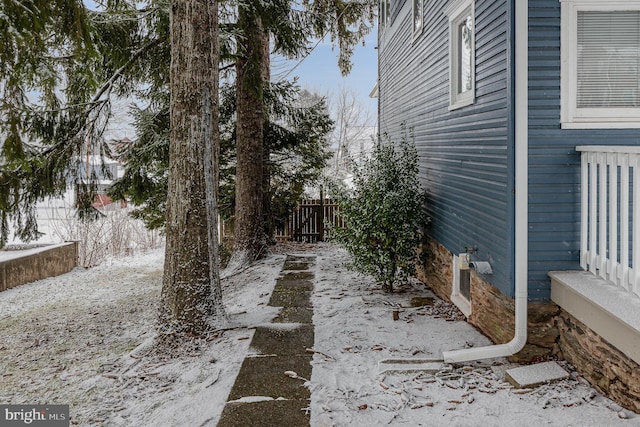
{"x":84,"y":338}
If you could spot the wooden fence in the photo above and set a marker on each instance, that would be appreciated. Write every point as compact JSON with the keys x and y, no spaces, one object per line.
{"x":308,"y":222}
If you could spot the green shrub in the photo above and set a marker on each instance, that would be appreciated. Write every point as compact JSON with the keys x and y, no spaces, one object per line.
{"x":384,"y":213}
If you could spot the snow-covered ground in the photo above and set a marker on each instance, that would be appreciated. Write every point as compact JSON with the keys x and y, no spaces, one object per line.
{"x":84,"y":339}
{"x":115,"y":233}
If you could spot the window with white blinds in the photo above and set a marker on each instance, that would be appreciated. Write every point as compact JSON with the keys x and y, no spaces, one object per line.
{"x":600,"y":64}
{"x":608,"y":59}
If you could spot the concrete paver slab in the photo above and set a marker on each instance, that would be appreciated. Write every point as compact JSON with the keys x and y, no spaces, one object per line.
{"x":265,"y":376}
{"x":293,"y":284}
{"x":533,"y":375}
{"x":266,"y":414}
{"x":283,"y":340}
{"x":297,"y":275}
{"x":282,"y":297}
{"x":295,"y":265}
{"x":294,"y":315}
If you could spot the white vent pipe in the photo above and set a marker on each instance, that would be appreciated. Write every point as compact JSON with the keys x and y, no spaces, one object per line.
{"x":521,"y":201}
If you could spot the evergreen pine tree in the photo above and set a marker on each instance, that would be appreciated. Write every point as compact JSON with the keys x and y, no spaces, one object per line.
{"x":78,"y":61}
{"x":191,"y":291}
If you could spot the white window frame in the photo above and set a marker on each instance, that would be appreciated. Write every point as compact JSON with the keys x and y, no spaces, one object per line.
{"x":384,"y":7}
{"x":458,"y":13}
{"x":460,"y":262}
{"x":572,"y":117}
{"x":417,"y":15}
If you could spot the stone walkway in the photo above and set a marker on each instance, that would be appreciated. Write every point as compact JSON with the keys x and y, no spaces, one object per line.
{"x":269,"y":389}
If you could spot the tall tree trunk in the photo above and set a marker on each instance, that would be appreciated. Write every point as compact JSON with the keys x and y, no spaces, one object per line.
{"x":249,"y":237}
{"x":267,"y":211}
{"x":191,"y":298}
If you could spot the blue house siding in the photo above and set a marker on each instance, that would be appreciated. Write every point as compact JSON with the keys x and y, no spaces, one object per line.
{"x":554,"y":165}
{"x":466,"y":155}
{"x":396,"y":7}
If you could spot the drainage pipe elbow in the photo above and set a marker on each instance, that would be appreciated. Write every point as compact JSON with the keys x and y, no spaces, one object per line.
{"x":493,"y":351}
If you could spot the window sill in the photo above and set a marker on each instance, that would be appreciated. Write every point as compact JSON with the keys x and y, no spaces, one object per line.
{"x":601,"y":125}
{"x":463,"y":305}
{"x":461,"y":103}
{"x":416,"y":35}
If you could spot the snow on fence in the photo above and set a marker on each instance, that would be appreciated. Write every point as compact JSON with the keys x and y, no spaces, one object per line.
{"x":610,"y":214}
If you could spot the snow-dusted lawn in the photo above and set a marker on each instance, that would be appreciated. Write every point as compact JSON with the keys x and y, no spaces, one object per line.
{"x":83,"y":339}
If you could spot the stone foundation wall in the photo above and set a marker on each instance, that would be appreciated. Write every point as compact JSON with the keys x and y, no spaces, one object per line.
{"x":609,"y":370}
{"x":493,"y":313}
{"x":551,"y":331}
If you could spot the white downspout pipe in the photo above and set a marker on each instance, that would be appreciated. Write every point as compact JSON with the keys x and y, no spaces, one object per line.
{"x":521,"y":201}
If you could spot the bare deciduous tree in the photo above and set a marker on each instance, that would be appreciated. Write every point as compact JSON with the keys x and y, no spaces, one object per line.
{"x":354,"y":129}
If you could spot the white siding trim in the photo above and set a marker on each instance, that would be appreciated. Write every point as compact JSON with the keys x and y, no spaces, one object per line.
{"x":457,"y":11}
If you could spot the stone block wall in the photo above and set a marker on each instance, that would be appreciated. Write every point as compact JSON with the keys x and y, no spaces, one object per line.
{"x":551,"y":331}
{"x":609,"y":370}
{"x":47,"y":262}
{"x":493,"y":313}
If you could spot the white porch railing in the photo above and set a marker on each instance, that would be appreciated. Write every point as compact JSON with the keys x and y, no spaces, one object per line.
{"x":610,"y":214}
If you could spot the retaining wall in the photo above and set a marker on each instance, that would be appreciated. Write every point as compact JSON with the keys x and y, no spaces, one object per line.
{"x":37,"y":264}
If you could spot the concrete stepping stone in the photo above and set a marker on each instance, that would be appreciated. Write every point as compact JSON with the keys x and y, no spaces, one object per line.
{"x":290,"y":297}
{"x":293,"y":284}
{"x":266,"y":414}
{"x":292,"y":339}
{"x":294,"y":262}
{"x":412,"y":365}
{"x":265,"y":376}
{"x":294,"y":315}
{"x":534,"y":375}
{"x":295,"y":265}
{"x":297,"y":275}
{"x":264,"y":392}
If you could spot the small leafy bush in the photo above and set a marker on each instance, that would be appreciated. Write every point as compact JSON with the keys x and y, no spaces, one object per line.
{"x":384,"y":213}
